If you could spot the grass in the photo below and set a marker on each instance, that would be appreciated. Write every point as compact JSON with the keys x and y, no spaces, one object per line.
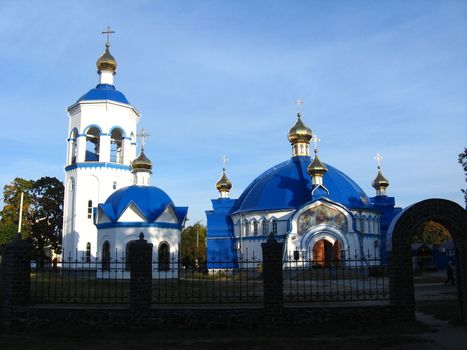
{"x":303,"y":337}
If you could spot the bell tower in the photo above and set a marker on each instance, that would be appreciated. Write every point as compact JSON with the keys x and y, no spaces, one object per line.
{"x":101,"y":143}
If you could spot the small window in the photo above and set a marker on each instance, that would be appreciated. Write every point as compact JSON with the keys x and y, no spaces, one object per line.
{"x":114,"y":185}
{"x":89,"y":209}
{"x":265,"y":227}
{"x":274,"y":227}
{"x":164,"y":257}
{"x":246,"y":225}
{"x":106,"y":256}
{"x":88,"y":252}
{"x":255,"y":228}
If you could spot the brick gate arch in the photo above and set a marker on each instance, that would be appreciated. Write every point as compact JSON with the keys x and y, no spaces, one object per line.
{"x":452,"y":216}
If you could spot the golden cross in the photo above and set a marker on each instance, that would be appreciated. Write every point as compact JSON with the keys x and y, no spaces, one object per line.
{"x":299,"y":103}
{"x":379,"y":159}
{"x":108,"y":32}
{"x":143,"y":136}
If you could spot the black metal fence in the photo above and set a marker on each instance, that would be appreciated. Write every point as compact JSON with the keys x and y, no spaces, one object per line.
{"x":335,"y":281}
{"x":93,"y":281}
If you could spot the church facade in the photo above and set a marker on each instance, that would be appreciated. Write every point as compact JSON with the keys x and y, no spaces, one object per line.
{"x":320,"y":214}
{"x":108,"y":198}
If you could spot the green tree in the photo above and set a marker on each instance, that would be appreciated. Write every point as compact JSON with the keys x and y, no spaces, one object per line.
{"x":431,"y":232}
{"x":463,"y":161}
{"x":42,"y":213}
{"x":47,"y":216}
{"x":10,"y":212}
{"x":193,"y":250}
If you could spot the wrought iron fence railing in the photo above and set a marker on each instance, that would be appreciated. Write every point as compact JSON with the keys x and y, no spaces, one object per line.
{"x":95,"y":281}
{"x":331,"y":281}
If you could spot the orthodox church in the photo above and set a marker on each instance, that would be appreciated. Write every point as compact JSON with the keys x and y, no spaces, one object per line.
{"x":319,"y":213}
{"x":108,"y":197}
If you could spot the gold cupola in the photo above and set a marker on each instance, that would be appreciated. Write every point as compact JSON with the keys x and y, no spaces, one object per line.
{"x":299,"y":137}
{"x":106,"y":62}
{"x":224,"y":185}
{"x":141,"y":167}
{"x":380,"y":183}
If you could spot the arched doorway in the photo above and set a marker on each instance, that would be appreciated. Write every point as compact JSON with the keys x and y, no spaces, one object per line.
{"x":400,"y":234}
{"x":106,"y":256}
{"x":325,"y":253}
{"x":164,"y":257}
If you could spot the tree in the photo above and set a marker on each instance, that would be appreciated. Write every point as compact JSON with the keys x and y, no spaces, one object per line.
{"x":47,"y":216}
{"x":10,"y":212}
{"x":431,"y":232}
{"x":462,"y":159}
{"x":42,"y":218}
{"x":193,"y":251}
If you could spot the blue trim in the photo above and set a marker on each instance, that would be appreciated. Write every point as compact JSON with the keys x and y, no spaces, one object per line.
{"x":104,"y":134}
{"x":139,"y":224}
{"x":97,"y":165}
{"x":70,"y":139}
{"x":133,"y":143}
{"x":126,"y":138}
{"x":81,"y":135}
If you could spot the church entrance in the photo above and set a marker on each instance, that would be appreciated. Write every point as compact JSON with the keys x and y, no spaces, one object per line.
{"x":326,"y":254}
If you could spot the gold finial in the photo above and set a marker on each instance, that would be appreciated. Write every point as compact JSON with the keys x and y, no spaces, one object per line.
{"x":316,"y":168}
{"x":108,"y":32}
{"x":315,"y":140}
{"x":224,"y":185}
{"x":380,"y":183}
{"x":142,"y":163}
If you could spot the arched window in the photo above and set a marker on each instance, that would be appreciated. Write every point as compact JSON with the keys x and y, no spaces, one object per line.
{"x":92,"y":144}
{"x":116,"y":146}
{"x":164,"y":257}
{"x":274,"y":226}
{"x":357,"y":223}
{"x":88,"y":252}
{"x":364,"y":225}
{"x":106,"y":256}
{"x":246,"y":226}
{"x":255,"y":228}
{"x":89,"y":209}
{"x":265,"y":227}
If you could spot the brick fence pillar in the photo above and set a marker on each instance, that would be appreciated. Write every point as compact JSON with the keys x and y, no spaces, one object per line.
{"x":272,"y":276}
{"x":16,"y":279}
{"x":140,"y":280}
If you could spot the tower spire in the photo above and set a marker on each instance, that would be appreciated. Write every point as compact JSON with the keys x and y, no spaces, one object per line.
{"x":316,"y":169}
{"x":380,"y":183}
{"x":224,"y":185}
{"x":300,"y":135}
{"x":106,"y":63}
{"x":141,"y":166}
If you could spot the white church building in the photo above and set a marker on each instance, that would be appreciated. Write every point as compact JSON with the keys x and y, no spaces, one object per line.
{"x":108,"y":198}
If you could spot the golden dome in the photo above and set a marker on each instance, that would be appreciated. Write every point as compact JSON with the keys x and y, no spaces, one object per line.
{"x":224,"y":184}
{"x":106,"y":61}
{"x":316,"y":167}
{"x":380,"y":182}
{"x":299,"y":132}
{"x":141,"y":163}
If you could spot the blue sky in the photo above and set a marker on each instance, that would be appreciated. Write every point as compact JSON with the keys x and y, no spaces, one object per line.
{"x":221,"y":77}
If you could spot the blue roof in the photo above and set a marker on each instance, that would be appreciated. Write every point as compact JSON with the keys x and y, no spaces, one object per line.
{"x":104,"y":92}
{"x":288,"y":186}
{"x":150,"y":200}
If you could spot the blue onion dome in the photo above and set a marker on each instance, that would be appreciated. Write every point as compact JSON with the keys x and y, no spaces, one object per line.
{"x":299,"y":132}
{"x":141,"y":163}
{"x":224,"y":184}
{"x":152,"y":201}
{"x":106,"y":61}
{"x":288,"y":186}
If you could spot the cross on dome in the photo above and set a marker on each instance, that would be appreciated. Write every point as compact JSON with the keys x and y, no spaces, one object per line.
{"x":379,"y":159}
{"x":224,"y":161}
{"x":315,"y":140}
{"x":108,"y":32}
{"x":299,"y":103}
{"x":143,"y":136}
